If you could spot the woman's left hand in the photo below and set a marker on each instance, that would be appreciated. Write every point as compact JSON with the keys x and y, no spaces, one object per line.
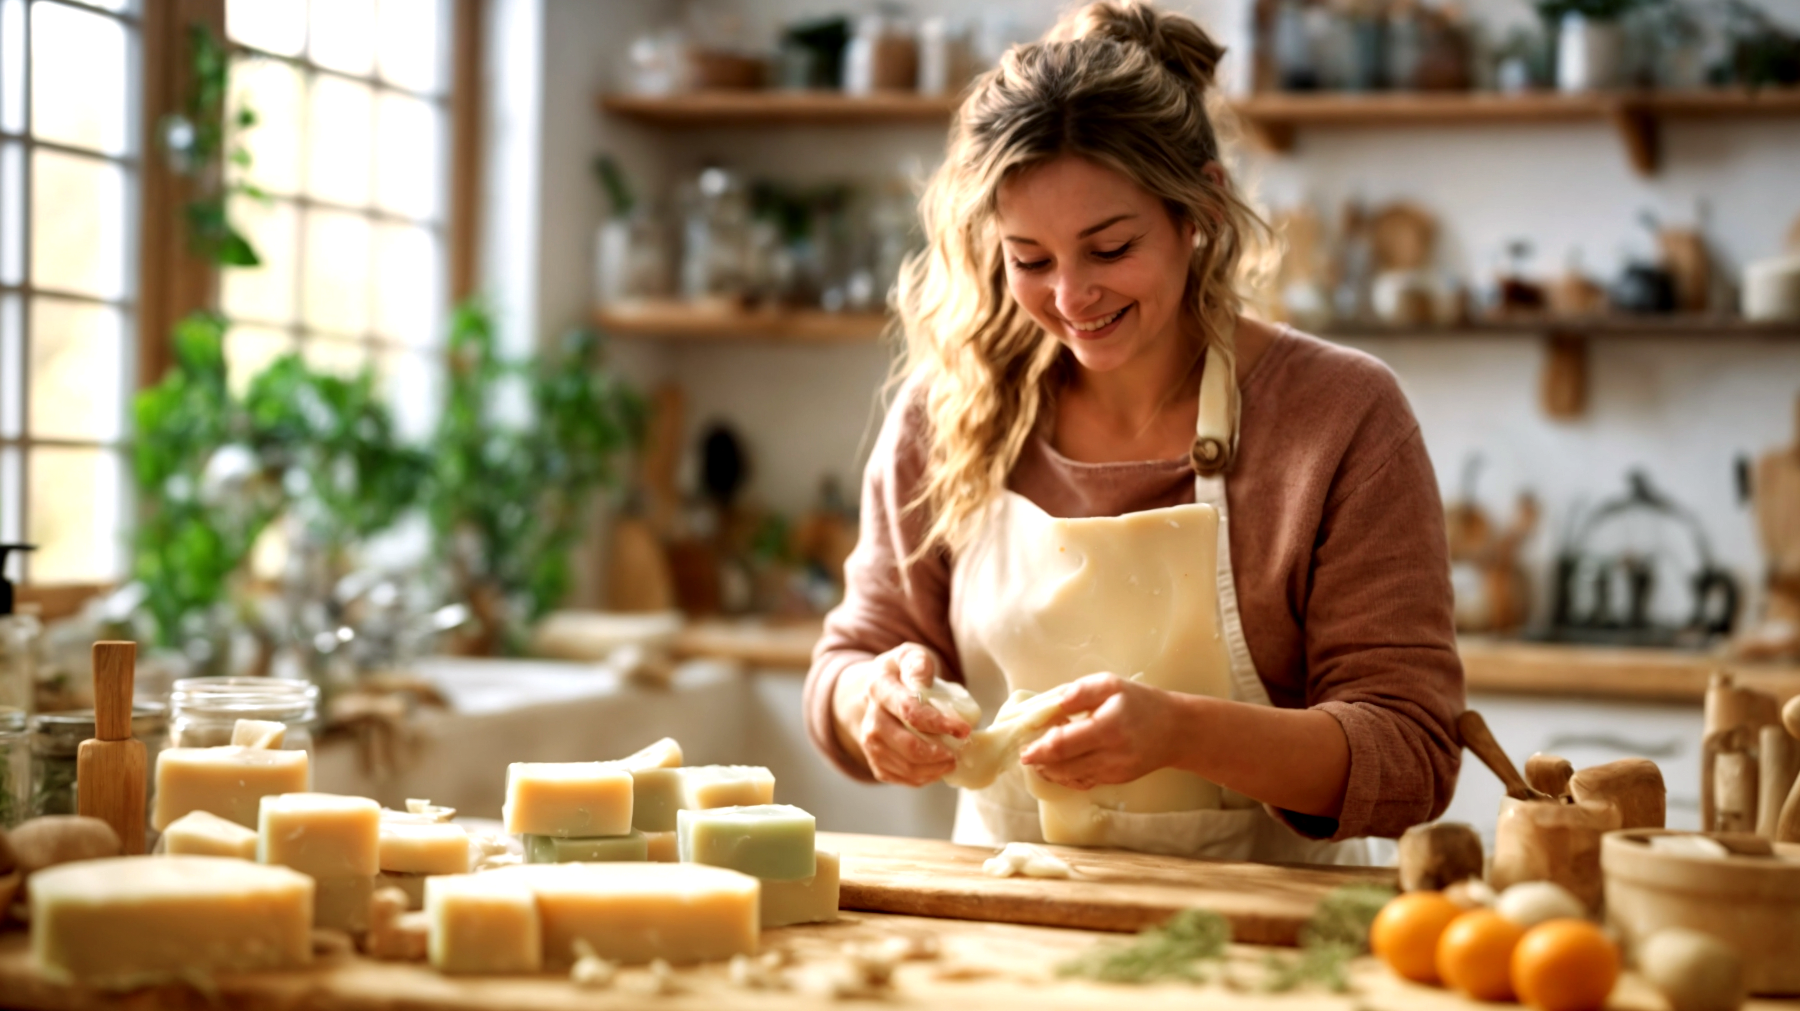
{"x":1132,"y":731}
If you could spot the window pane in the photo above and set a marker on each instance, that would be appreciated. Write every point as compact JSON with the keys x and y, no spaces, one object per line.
{"x":77,"y":354}
{"x":74,"y":514}
{"x":78,"y":66}
{"x":342,"y":37}
{"x":249,"y":350}
{"x":273,"y":26}
{"x":12,"y":66}
{"x":122,"y":6}
{"x":412,"y":44}
{"x":413,"y":384}
{"x":408,"y":159}
{"x":265,"y":293}
{"x":338,"y":143}
{"x":12,"y":366}
{"x":12,"y":213}
{"x":78,"y":224}
{"x":275,"y":91}
{"x":337,"y":272}
{"x":341,"y":357}
{"x":12,"y":501}
{"x":406,"y":285}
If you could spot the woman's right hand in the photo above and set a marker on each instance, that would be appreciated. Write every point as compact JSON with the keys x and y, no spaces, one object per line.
{"x":874,"y":703}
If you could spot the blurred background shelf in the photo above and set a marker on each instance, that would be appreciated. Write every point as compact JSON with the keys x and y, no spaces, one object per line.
{"x":780,"y":108}
{"x":677,"y":321}
{"x":1620,"y":326}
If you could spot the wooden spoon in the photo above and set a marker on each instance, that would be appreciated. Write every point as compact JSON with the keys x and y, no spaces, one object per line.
{"x":1788,"y":828}
{"x":1478,"y":738}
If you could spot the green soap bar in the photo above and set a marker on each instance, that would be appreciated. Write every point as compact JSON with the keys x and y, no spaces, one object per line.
{"x":772,"y":841}
{"x":545,"y":849}
{"x":655,"y":797}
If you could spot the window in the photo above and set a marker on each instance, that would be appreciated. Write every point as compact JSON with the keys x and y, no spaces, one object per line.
{"x":69,"y":128}
{"x":350,"y":150}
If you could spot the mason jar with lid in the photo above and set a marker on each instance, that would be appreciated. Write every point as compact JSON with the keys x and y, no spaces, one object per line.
{"x":56,"y":740}
{"x":203,"y":711}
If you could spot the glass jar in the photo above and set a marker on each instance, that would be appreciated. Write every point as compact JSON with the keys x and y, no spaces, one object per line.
{"x":15,"y":766}
{"x":203,"y":711}
{"x":56,"y":739}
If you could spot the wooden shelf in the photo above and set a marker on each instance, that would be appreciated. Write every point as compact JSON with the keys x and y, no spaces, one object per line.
{"x":781,"y":108}
{"x":678,"y":321}
{"x":1621,"y":326}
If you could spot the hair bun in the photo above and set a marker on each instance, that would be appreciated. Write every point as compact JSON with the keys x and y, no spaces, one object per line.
{"x":1177,"y":41}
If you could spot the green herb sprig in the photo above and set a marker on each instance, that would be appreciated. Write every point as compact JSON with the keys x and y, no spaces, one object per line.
{"x":1172,"y":951}
{"x":1337,"y":933}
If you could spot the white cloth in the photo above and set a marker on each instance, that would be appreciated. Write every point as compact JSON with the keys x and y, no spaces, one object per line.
{"x":1037,"y":601}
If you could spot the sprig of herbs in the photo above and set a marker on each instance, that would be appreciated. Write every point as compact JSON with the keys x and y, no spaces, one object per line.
{"x":1171,"y":951}
{"x":1337,"y":932}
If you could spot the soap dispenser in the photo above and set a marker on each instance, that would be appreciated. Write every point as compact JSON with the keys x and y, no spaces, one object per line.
{"x":18,"y":683}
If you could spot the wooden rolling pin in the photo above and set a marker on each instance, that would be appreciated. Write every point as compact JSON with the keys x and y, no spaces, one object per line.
{"x":109,"y":769}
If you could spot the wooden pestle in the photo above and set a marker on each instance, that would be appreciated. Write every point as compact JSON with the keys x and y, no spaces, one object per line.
{"x":1478,"y":738}
{"x":109,"y":769}
{"x":1788,"y":829}
{"x":1549,"y":773}
{"x":1779,"y":754}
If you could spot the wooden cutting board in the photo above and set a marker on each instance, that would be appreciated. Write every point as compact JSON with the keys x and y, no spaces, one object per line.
{"x":1113,"y":889}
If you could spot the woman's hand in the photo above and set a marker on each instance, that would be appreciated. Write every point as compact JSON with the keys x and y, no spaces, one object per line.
{"x":874,"y":702}
{"x":1133,"y":731}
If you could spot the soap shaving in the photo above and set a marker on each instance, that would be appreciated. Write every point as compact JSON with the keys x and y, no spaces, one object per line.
{"x":1026,"y":860}
{"x":590,"y":971}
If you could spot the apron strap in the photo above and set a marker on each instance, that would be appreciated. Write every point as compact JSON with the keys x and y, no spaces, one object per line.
{"x":1210,"y":490}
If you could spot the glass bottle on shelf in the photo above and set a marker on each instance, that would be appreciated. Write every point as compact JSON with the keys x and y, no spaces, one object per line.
{"x":19,"y":635}
{"x":715,"y":234}
{"x":203,"y":711}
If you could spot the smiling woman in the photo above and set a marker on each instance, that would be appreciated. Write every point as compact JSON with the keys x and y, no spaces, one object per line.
{"x":1219,"y":542}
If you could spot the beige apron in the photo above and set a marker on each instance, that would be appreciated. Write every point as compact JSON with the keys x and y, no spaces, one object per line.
{"x":1037,"y":601}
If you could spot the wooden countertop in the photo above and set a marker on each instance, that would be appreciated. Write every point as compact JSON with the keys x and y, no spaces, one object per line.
{"x":1499,"y":666}
{"x":984,"y":965}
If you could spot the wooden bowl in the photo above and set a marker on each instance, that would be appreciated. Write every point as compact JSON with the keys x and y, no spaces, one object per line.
{"x":1751,"y":903}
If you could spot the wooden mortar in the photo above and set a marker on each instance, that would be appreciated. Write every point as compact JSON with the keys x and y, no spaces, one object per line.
{"x":1751,"y":903}
{"x":1537,"y":840}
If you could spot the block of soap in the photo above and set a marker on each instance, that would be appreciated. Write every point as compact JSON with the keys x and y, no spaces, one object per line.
{"x":708,"y":786}
{"x":342,"y":903}
{"x":129,"y":921}
{"x":548,"y":849}
{"x":424,"y":848}
{"x":663,"y":847}
{"x":655,"y":797}
{"x":809,"y":900}
{"x":639,"y":912}
{"x":322,"y":834}
{"x":567,"y":799}
{"x":258,"y":734}
{"x":227,"y":781}
{"x":482,"y":923}
{"x":769,"y":841}
{"x":664,"y":754}
{"x":202,"y":834}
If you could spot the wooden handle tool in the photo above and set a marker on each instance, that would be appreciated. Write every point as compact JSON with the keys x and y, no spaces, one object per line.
{"x":1550,"y":774}
{"x":1478,"y":738}
{"x":109,"y":769}
{"x":1788,"y":828}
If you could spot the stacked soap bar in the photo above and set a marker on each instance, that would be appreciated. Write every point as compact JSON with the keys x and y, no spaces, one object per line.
{"x":199,"y":833}
{"x":334,"y":840}
{"x":567,"y":808}
{"x":528,"y":918}
{"x":127,"y":921}
{"x":773,"y":843}
{"x":227,"y":781}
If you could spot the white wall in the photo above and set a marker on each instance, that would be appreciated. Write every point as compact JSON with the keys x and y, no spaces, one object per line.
{"x":1679,"y":408}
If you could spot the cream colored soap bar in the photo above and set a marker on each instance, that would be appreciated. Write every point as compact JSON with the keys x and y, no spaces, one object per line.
{"x":663,"y":847}
{"x":342,"y":903}
{"x":809,"y":900}
{"x":709,"y":786}
{"x":227,"y":781}
{"x":655,"y":797}
{"x":322,"y":834}
{"x":482,"y":923}
{"x":258,"y":734}
{"x":201,"y":834}
{"x":567,"y":799}
{"x":640,"y":912}
{"x":664,"y":754}
{"x":424,"y":848}
{"x":129,"y":921}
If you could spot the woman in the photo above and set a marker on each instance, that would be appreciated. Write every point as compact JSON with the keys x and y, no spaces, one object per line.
{"x":1089,"y":421}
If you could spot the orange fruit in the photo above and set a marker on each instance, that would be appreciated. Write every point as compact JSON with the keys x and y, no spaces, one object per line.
{"x":1405,"y":933}
{"x":1565,"y":965}
{"x":1474,"y":955}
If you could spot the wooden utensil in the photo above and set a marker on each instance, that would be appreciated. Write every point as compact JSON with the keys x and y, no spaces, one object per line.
{"x":1788,"y":828}
{"x":1549,"y":774}
{"x":109,"y":769}
{"x":1478,"y":738}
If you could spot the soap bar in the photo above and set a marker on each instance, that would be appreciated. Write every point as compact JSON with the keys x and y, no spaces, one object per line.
{"x":808,"y":900}
{"x":547,"y":849}
{"x":994,"y":748}
{"x":709,"y":786}
{"x":567,"y":799}
{"x":199,"y":833}
{"x":423,"y":848}
{"x":130,"y":921}
{"x":227,"y":781}
{"x":664,"y":847}
{"x":655,"y":797}
{"x":342,"y":903}
{"x":482,"y":923}
{"x":258,"y":734}
{"x":770,"y":841}
{"x":664,"y":754}
{"x":322,"y":834}
{"x":639,"y":912}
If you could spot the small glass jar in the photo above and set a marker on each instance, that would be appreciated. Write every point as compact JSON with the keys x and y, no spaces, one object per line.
{"x":56,"y":740}
{"x":203,"y":711}
{"x":15,"y":766}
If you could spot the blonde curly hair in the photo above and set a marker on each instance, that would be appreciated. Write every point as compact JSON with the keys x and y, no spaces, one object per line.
{"x":1121,"y":84}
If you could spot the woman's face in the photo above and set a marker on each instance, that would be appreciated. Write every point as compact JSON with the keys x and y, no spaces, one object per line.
{"x":1095,"y":259}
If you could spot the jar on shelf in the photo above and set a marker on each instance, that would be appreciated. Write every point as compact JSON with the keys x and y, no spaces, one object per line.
{"x":15,"y":766}
{"x":203,"y":711}
{"x":56,"y":739}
